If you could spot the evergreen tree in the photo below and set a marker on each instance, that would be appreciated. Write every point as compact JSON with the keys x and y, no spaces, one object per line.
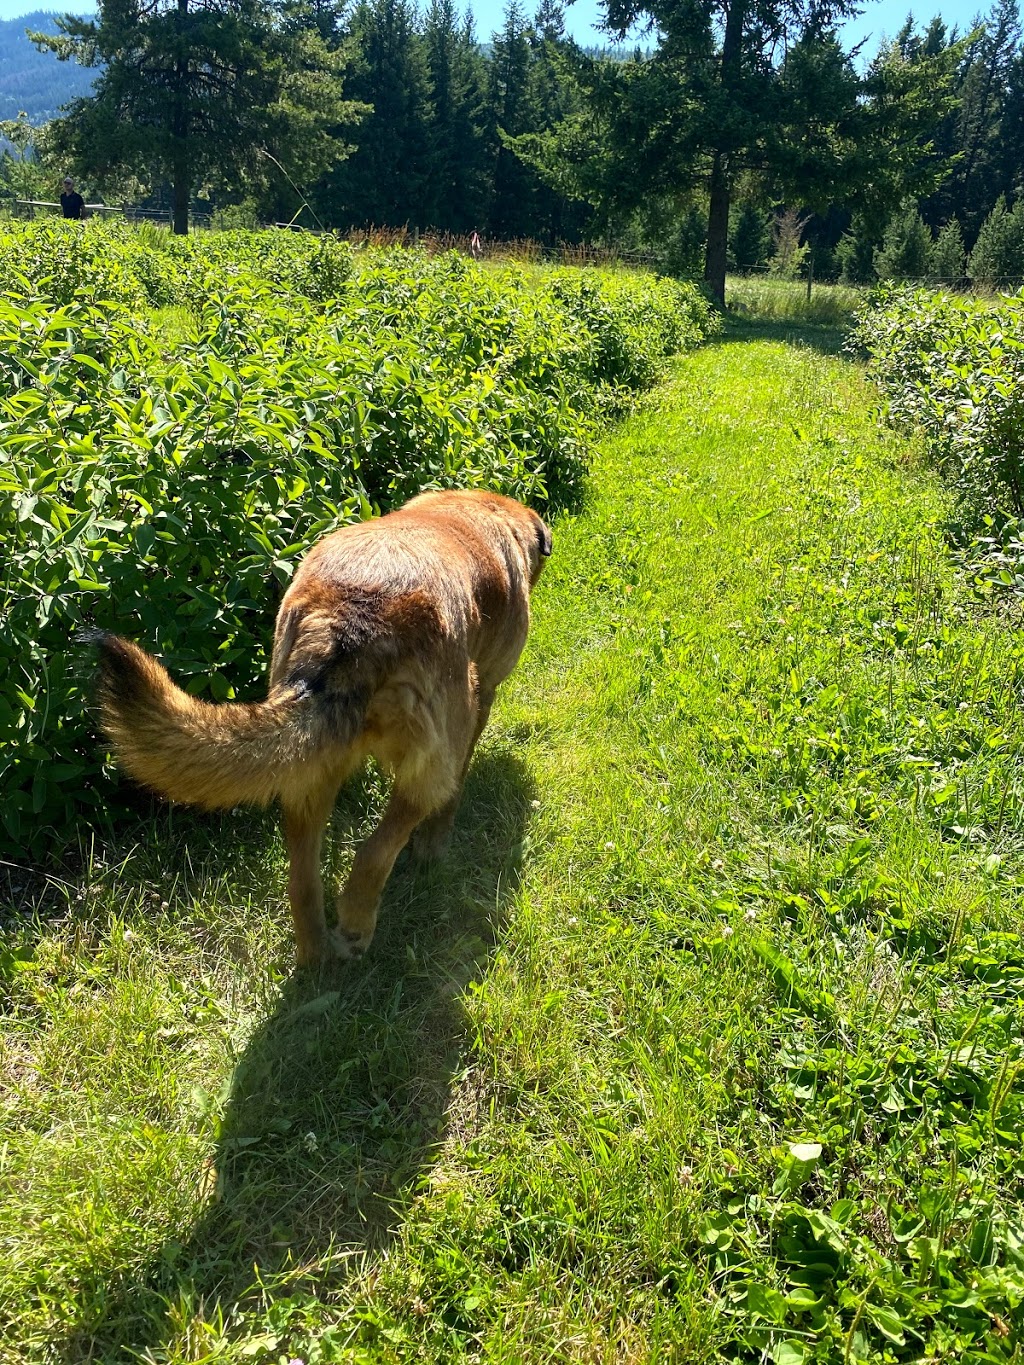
{"x":905,"y":248}
{"x":855,"y":253}
{"x":998,"y":255}
{"x":972,"y":137}
{"x":512,"y":206}
{"x":553,"y":97}
{"x":947,"y":258}
{"x":750,"y":237}
{"x":737,"y":88}
{"x":195,"y":90}
{"x":1010,"y":178}
{"x":457,"y":189}
{"x":384,"y":181}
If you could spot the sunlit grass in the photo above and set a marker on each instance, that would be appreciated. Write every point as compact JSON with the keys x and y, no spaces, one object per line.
{"x":729,"y":877}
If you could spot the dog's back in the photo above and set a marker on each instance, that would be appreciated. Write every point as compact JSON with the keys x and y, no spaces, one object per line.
{"x":446,"y":572}
{"x":390,"y":642}
{"x":384,"y":623}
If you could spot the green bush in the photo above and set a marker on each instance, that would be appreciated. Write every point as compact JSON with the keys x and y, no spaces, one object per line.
{"x":954,"y":367}
{"x":167,"y":488}
{"x":140,"y":265}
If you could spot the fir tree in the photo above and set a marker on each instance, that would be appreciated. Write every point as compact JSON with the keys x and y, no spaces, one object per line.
{"x":750,"y":237}
{"x":458,"y":184}
{"x":512,"y":207}
{"x":947,"y":258}
{"x":195,"y":90}
{"x":998,"y":255}
{"x":384,"y":181}
{"x":905,"y":248}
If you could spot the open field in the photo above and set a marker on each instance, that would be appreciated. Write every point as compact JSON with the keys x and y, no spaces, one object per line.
{"x":702,"y":1044}
{"x":770,"y":299}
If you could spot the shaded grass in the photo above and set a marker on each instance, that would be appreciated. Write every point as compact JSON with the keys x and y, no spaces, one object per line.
{"x":758,"y":902}
{"x":773,"y":300}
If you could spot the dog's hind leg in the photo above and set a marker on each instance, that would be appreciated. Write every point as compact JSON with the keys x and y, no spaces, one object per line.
{"x":429,"y":761}
{"x":305,"y":816}
{"x":430,"y":838}
{"x":358,"y":903}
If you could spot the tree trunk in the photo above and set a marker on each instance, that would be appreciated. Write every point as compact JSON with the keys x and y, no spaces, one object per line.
{"x":719,"y":187}
{"x":718,"y":230}
{"x":180,"y":178}
{"x":180,"y":194}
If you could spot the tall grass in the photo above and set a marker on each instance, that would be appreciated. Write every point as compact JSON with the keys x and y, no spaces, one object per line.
{"x":766,"y":299}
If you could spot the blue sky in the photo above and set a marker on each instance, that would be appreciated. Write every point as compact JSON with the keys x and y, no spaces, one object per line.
{"x":880,"y":16}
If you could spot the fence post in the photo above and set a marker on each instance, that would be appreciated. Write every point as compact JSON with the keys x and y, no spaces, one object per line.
{"x":810,"y":275}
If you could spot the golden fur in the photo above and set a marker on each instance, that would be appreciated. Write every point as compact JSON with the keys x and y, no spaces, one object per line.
{"x":390,"y":643}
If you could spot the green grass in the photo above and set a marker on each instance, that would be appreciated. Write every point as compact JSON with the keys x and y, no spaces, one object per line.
{"x":738,"y":870}
{"x":768,"y":299}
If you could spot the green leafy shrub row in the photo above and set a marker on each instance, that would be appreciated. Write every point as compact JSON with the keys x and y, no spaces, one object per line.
{"x":954,"y":368}
{"x":167,"y":489}
{"x":147,"y":266}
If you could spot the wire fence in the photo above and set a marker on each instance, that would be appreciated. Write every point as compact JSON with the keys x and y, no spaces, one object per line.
{"x":29,"y":208}
{"x":963,"y":282}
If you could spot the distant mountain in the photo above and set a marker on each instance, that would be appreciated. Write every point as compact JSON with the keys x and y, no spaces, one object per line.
{"x":34,"y":81}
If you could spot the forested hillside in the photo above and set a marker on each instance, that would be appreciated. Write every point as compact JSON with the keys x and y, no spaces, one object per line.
{"x":34,"y":82}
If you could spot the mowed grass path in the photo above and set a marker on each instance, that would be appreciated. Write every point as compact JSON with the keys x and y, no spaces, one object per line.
{"x":702,"y":1044}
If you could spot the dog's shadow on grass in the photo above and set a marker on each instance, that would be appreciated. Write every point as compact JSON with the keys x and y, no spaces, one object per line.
{"x":343,"y":1093}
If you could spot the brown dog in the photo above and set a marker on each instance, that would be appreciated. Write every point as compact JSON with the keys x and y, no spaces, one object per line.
{"x":390,"y":643}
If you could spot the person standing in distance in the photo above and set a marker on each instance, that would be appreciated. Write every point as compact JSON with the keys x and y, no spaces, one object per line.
{"x":71,"y":202}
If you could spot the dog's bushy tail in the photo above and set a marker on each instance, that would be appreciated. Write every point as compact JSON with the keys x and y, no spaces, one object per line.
{"x":215,"y":756}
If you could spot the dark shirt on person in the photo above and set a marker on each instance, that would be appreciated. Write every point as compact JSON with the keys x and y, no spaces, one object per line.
{"x":72,"y":204}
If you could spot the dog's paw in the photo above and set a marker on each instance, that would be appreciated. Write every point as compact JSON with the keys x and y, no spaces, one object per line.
{"x":311,"y":956}
{"x":346,"y":946}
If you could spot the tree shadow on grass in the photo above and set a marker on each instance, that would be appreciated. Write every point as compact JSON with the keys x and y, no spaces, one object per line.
{"x":341,"y":1095}
{"x":826,"y":339}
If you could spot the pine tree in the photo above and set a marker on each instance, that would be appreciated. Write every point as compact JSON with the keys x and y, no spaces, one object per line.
{"x":736,"y":88}
{"x":972,"y":138}
{"x":553,"y":97}
{"x":750,"y":237}
{"x":855,"y":253}
{"x":906,"y":246}
{"x":384,"y":181}
{"x":512,"y":207}
{"x":998,"y":255}
{"x":947,"y":258}
{"x":457,"y":191}
{"x":195,"y":90}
